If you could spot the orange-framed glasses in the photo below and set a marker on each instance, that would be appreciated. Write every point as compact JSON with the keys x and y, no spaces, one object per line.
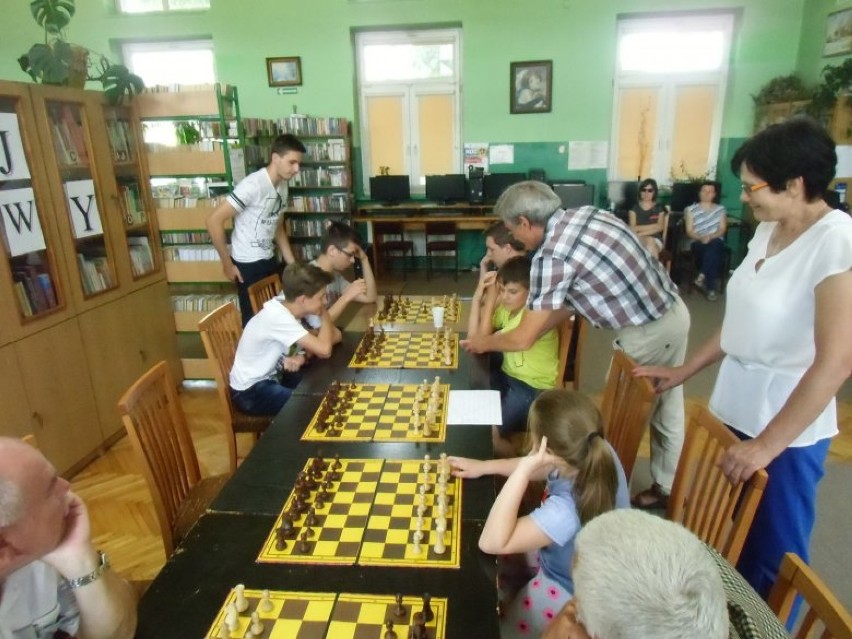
{"x":748,"y":189}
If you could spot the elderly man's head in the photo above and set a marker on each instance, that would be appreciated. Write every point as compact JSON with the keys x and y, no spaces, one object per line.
{"x":637,"y":576}
{"x":33,"y":505}
{"x":525,"y":208}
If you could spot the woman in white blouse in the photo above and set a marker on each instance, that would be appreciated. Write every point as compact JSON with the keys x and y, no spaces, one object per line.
{"x":786,"y":338}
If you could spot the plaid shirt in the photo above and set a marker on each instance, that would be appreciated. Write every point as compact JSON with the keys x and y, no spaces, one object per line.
{"x":592,"y":262}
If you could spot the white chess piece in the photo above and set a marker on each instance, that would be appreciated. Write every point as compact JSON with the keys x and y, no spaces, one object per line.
{"x":256,"y":626}
{"x":240,"y":601}
{"x":232,"y":619}
{"x":439,"y":545}
{"x":224,"y":633}
{"x":265,"y":604}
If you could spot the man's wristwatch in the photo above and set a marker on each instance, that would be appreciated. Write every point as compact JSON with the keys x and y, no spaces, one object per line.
{"x":85,"y":580}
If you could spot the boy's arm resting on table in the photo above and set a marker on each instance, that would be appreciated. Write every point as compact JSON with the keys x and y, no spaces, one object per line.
{"x":321,"y":344}
{"x":533,"y":325}
{"x":216,"y":228}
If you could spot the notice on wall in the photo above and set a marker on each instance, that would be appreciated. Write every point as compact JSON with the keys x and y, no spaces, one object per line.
{"x":844,"y":161}
{"x":587,"y":155}
{"x":21,"y":222}
{"x":476,"y":156}
{"x":502,"y":154}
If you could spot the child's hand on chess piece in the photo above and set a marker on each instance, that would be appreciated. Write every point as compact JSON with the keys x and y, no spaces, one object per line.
{"x":466,"y":468}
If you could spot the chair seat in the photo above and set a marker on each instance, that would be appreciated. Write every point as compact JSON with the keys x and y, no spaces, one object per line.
{"x":243,"y":423}
{"x":442,"y":245}
{"x":199,"y":498}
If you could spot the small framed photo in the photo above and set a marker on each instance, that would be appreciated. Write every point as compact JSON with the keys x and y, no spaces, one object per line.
{"x":284,"y":72}
{"x":838,"y":33}
{"x":530,"y":86}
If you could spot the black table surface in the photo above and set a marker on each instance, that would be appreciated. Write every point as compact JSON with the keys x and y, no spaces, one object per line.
{"x":220,"y":552}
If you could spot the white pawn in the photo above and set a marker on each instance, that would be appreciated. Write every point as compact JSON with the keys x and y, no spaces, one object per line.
{"x":439,"y":545}
{"x":224,"y":633}
{"x":421,"y":510}
{"x":265,"y":604}
{"x":241,"y":602}
{"x":440,"y":523}
{"x":418,"y":537}
{"x":232,"y":619}
{"x":427,"y":426}
{"x":256,"y":626}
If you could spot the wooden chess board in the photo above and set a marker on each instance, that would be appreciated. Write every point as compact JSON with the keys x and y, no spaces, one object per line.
{"x":409,"y":310}
{"x":370,"y":518}
{"x":316,"y":615}
{"x":377,"y":412}
{"x":405,"y":350}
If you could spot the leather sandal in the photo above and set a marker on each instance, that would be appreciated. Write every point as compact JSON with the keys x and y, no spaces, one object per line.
{"x":651,"y":499}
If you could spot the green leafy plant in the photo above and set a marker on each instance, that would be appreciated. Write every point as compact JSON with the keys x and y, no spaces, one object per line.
{"x":56,"y":61}
{"x":187,"y":133}
{"x":836,"y":81}
{"x":682,"y":174}
{"x":785,"y":88}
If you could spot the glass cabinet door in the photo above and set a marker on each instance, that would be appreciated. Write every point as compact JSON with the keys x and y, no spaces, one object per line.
{"x":23,"y":206}
{"x":69,"y":131}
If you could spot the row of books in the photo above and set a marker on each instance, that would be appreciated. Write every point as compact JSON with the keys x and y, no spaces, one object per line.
{"x":333,"y":150}
{"x":120,"y":140}
{"x":306,"y":125}
{"x":173,"y":238}
{"x":196,"y":253}
{"x":95,"y":273}
{"x":201,"y":145}
{"x":305,"y":252}
{"x":321,"y":176}
{"x":187,"y":88}
{"x":202,"y":303}
{"x":34,"y":290}
{"x":307,"y":228}
{"x":187,"y":202}
{"x":134,"y":207}
{"x":213,"y":130}
{"x":335,"y":202}
{"x":69,"y":139}
{"x":141,"y":259}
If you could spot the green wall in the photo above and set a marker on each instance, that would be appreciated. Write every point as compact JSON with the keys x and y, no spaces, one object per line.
{"x":811,"y":60}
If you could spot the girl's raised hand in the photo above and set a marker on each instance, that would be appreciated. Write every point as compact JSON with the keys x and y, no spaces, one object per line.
{"x":540,"y":459}
{"x":465,"y":468}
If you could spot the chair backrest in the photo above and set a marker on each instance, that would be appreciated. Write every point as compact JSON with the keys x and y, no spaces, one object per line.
{"x":823,"y":615}
{"x":565,"y":330}
{"x":626,"y":409}
{"x":575,"y":352}
{"x":221,"y":330}
{"x":264,"y":290}
{"x":665,"y":215}
{"x":702,"y":498}
{"x":439,"y":228}
{"x":156,"y":426}
{"x":389,"y":228}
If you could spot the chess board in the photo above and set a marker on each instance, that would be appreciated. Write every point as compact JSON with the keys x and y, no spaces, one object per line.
{"x":370,"y":519}
{"x":407,"y":310}
{"x":316,"y":615}
{"x":377,"y":412}
{"x":407,"y":350}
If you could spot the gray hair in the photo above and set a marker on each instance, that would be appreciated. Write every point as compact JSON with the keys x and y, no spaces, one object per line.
{"x":637,"y":575}
{"x":11,"y":503}
{"x":533,"y":199}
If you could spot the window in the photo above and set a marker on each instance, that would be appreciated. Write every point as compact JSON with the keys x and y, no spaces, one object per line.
{"x":408,"y":84}
{"x":151,"y":6}
{"x":670,"y":90}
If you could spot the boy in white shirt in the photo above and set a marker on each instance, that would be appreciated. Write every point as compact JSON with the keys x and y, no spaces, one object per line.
{"x":271,"y":333}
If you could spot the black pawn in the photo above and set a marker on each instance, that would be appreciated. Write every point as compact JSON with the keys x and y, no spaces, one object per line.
{"x":399,"y":611}
{"x":389,"y":633}
{"x":417,"y":629}
{"x":304,"y":546}
{"x":427,"y":613}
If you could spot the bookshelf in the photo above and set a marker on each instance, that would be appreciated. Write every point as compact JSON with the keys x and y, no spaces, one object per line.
{"x":195,"y":148}
{"x":80,"y":314}
{"x":322,"y":190}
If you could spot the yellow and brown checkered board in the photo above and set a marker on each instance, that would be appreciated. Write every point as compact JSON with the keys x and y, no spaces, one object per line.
{"x":371,"y":519}
{"x":408,"y":310}
{"x":381,"y":412}
{"x":409,"y":350}
{"x":317,"y":615}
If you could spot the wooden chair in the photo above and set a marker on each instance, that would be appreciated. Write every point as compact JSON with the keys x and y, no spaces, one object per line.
{"x":156,"y":426}
{"x":702,"y":498}
{"x":444,"y":231}
{"x":220,"y":333}
{"x":824,"y":614}
{"x":31,"y":440}
{"x":565,"y":330}
{"x":386,"y":248}
{"x":571,"y":374}
{"x":264,"y":290}
{"x":626,"y":409}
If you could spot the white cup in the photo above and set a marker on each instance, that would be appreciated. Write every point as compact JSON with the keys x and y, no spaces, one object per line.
{"x":438,"y":316}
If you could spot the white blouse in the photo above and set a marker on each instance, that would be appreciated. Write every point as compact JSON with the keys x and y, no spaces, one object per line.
{"x":768,"y":330}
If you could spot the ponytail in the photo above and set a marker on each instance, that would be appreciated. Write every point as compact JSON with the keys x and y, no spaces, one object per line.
{"x":596,"y":483}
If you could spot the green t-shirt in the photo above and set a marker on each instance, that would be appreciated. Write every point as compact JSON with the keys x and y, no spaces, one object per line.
{"x":536,"y":367}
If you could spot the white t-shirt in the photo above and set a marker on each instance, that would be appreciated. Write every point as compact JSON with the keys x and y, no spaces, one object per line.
{"x":768,"y":330}
{"x":258,"y":205}
{"x":36,"y":603}
{"x":266,"y":337}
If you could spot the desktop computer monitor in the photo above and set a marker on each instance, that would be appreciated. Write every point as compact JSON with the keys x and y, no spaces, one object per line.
{"x":495,"y":183}
{"x":684,"y":194}
{"x":451,"y":187}
{"x":623,"y":194}
{"x":574,"y":196}
{"x":390,"y":189}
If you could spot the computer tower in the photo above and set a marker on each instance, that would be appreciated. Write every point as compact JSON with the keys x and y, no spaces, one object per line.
{"x":475,"y":189}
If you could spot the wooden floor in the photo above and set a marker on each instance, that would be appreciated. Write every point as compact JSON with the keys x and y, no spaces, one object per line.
{"x":123,"y":521}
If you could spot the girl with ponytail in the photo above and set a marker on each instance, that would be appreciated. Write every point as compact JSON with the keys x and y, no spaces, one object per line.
{"x":584,"y":479}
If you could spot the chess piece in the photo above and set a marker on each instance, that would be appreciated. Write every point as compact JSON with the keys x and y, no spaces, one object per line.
{"x":427,"y":613}
{"x":256,"y":626}
{"x":439,"y":547}
{"x":287,"y":529}
{"x":389,"y":632}
{"x":280,"y":540}
{"x":311,"y":518}
{"x":399,"y":611}
{"x":265,"y":603}
{"x":418,"y":537}
{"x":303,"y":546}
{"x":417,"y":629}
{"x":224,"y":633}
{"x":240,"y":600}
{"x":427,"y":426}
{"x":232,"y":619}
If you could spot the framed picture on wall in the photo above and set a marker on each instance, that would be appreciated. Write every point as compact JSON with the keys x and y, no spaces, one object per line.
{"x":530,"y":85}
{"x":838,"y":33}
{"x":284,"y":72}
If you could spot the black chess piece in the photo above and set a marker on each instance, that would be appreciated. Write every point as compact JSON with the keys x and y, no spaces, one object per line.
{"x":417,"y":629}
{"x":427,"y":613}
{"x":389,"y":632}
{"x":399,"y":611}
{"x":280,"y":540}
{"x":311,"y":519}
{"x":303,"y":546}
{"x":336,"y":465}
{"x":286,"y":529}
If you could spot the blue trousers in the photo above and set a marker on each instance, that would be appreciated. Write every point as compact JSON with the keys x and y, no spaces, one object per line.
{"x":786,"y":514}
{"x":253,"y":272}
{"x":516,"y":397}
{"x":709,"y":259}
{"x":266,"y":397}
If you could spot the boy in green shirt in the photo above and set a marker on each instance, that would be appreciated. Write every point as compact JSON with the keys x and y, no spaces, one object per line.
{"x":499,"y":306}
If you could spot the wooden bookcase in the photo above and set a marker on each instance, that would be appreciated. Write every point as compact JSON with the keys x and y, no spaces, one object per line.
{"x":188,"y":182}
{"x":70,"y":269}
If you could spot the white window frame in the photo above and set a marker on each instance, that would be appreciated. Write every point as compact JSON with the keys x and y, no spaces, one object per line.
{"x":668,"y":84}
{"x":166,"y":7}
{"x":409,"y":91}
{"x":128,"y":48}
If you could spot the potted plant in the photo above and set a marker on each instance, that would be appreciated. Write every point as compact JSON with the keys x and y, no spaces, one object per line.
{"x":836,"y":82}
{"x":779,"y":99}
{"x":56,"y":61}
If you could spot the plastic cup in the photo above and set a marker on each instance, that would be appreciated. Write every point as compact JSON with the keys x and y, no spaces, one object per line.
{"x":438,"y":316}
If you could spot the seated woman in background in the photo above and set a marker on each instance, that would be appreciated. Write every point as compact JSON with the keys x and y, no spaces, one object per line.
{"x":648,"y":217}
{"x":706,"y":225}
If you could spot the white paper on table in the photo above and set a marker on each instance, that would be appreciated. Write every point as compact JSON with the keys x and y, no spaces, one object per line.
{"x":475,"y":407}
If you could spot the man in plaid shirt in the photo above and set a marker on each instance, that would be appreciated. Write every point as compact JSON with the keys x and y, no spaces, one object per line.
{"x":590,"y":262}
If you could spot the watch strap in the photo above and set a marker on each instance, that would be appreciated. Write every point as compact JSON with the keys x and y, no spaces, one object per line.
{"x":100,"y":569}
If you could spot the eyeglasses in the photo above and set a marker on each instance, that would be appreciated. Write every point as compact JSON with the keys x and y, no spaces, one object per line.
{"x":648,"y":189}
{"x":348,"y":254}
{"x":748,"y":189}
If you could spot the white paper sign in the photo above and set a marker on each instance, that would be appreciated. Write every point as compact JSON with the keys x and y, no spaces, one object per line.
{"x":83,"y":208}
{"x":587,"y":155}
{"x":21,"y":222}
{"x":844,"y":161}
{"x":13,"y":162}
{"x":502,"y":154}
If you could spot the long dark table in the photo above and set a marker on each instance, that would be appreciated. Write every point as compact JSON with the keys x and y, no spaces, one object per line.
{"x":221,"y":549}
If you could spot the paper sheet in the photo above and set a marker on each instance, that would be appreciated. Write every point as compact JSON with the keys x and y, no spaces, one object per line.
{"x":475,"y":407}
{"x":587,"y":155}
{"x":501,"y":154}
